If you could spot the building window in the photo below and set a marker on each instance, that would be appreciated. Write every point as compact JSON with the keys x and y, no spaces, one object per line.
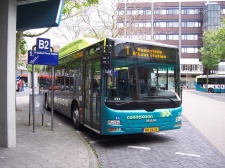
{"x":148,"y":37}
{"x":135,"y":12}
{"x":160,"y":12}
{"x":189,"y":37}
{"x":172,"y":11}
{"x":141,"y":24}
{"x":223,"y":11}
{"x":160,"y":24}
{"x":190,"y":11}
{"x":129,"y":12}
{"x":172,"y":24}
{"x":191,"y":24}
{"x":189,"y":50}
{"x":160,"y":37}
{"x":184,"y":67}
{"x":144,"y":24}
{"x":121,"y":12}
{"x":148,"y":24}
{"x":189,"y":67}
{"x":147,"y":12}
{"x":173,"y":37}
{"x":120,"y":25}
{"x":133,"y":25}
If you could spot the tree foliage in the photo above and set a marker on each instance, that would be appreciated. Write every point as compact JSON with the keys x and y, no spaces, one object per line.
{"x":23,"y":46}
{"x":69,"y":9}
{"x":210,"y":54}
{"x":220,"y":35}
{"x":213,"y":49}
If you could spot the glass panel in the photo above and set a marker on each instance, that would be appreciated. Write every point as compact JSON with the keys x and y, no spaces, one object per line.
{"x":96,"y":93}
{"x":142,"y":82}
{"x":87,"y":90}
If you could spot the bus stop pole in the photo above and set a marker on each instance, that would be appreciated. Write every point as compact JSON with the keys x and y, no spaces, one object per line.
{"x":33,"y":109}
{"x":52,"y":96}
{"x":52,"y":99}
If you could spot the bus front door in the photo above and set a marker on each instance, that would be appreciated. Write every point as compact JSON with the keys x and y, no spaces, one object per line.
{"x":92,"y":94}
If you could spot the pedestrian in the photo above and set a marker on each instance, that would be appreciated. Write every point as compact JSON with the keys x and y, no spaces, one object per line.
{"x":23,"y":85}
{"x":20,"y":85}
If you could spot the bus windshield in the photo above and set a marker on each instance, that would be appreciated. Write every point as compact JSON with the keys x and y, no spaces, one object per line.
{"x":142,"y":82}
{"x":142,"y":71}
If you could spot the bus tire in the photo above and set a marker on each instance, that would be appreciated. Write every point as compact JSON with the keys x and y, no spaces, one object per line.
{"x":76,"y":117}
{"x":46,"y":104}
{"x":210,"y":90}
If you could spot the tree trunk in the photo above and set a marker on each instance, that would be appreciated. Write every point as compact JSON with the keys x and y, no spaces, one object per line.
{"x":19,"y":36}
{"x":207,"y":79}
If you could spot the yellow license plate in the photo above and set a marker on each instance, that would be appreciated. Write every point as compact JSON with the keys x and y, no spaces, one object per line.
{"x":153,"y":129}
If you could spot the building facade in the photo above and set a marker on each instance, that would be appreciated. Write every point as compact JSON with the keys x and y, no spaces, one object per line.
{"x":176,"y":23}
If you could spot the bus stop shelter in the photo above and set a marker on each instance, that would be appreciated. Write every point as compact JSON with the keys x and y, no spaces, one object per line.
{"x":16,"y":15}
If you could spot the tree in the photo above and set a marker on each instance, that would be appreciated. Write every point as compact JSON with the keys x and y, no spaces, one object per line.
{"x":69,"y":7}
{"x":68,"y":10}
{"x":210,"y":55}
{"x":220,"y":36}
{"x":107,"y":19}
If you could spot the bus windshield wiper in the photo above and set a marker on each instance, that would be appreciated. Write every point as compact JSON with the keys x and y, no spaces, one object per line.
{"x":124,"y":103}
{"x":174,"y":102}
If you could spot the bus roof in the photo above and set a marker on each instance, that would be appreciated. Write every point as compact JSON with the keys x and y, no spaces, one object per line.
{"x":123,"y":40}
{"x":211,"y":76}
{"x":84,"y":42}
{"x":76,"y":45}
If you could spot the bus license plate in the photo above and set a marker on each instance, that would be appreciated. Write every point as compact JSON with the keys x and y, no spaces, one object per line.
{"x":153,"y":129}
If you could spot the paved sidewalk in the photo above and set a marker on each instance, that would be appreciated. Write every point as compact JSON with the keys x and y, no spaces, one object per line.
{"x":207,"y":115}
{"x":64,"y":147}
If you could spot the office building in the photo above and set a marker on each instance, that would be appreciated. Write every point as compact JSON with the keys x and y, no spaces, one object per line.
{"x":177,"y":23}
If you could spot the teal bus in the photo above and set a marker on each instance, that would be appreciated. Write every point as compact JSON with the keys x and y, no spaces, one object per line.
{"x":216,"y":83}
{"x":118,"y":86}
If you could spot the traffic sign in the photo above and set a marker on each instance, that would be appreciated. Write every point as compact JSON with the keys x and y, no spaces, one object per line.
{"x":43,"y":44}
{"x":43,"y":58}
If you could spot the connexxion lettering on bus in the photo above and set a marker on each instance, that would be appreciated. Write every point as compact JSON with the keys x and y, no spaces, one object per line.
{"x":119,"y":86}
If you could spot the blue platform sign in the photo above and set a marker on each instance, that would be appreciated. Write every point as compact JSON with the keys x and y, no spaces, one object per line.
{"x":43,"y":58}
{"x":43,"y":44}
{"x":17,"y":77}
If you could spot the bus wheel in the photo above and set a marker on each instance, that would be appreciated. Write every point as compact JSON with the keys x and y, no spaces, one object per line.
{"x":210,"y":90}
{"x":76,"y":117}
{"x":46,"y":105}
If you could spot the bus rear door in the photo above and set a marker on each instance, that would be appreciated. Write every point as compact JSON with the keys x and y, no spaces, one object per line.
{"x":92,"y":94}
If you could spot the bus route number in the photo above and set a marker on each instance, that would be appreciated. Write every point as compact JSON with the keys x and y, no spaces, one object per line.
{"x":43,"y":44}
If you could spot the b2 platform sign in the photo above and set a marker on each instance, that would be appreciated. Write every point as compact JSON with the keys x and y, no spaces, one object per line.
{"x":43,"y":44}
{"x":42,"y":55}
{"x":43,"y":58}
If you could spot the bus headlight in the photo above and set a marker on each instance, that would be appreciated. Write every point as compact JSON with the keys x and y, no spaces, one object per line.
{"x":114,"y":122}
{"x":179,"y":118}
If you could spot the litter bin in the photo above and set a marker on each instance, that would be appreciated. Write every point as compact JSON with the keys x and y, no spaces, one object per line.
{"x":38,"y":106}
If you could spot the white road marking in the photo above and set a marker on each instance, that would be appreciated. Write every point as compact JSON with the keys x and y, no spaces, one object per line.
{"x":186,"y":154}
{"x":112,"y":139}
{"x":104,"y":140}
{"x":161,"y":133}
{"x":139,"y":147}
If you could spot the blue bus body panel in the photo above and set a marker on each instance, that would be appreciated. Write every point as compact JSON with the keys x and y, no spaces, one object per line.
{"x":134,"y":121}
{"x":215,"y":90}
